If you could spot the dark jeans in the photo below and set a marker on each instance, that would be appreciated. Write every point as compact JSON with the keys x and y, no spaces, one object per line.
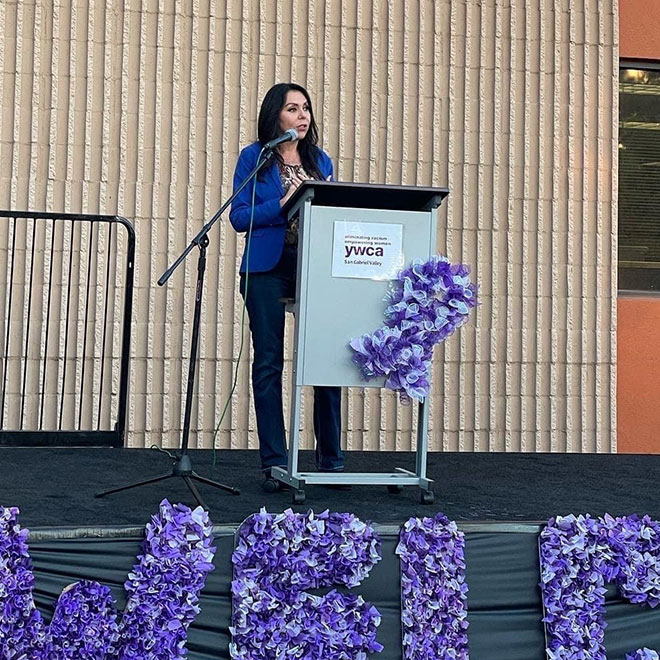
{"x":266,"y":314}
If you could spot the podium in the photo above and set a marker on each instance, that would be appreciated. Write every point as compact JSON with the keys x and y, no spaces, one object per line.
{"x":353,"y":239}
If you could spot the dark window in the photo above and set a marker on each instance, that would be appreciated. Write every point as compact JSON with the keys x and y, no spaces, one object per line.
{"x":639,"y":177}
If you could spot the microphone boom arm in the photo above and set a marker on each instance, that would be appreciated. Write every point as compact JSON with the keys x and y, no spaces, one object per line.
{"x":201,"y":236}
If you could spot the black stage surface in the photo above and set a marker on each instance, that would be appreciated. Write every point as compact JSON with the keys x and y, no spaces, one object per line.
{"x":55,"y":487}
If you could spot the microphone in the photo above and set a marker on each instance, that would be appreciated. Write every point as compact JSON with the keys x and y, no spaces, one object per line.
{"x":287,"y":136}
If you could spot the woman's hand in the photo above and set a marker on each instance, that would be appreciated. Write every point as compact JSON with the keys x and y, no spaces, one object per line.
{"x":295,"y":184}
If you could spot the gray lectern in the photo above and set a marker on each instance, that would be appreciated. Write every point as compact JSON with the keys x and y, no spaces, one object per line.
{"x":353,"y":239}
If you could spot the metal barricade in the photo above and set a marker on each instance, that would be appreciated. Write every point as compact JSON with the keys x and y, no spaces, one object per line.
{"x":66,"y":297}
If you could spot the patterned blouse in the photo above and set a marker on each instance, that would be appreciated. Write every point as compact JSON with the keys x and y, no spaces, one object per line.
{"x":287,"y":173}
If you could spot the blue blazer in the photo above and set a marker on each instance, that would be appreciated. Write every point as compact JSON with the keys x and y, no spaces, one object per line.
{"x":269,"y":223}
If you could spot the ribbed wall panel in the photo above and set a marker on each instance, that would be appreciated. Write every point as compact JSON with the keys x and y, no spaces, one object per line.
{"x":141,"y":107}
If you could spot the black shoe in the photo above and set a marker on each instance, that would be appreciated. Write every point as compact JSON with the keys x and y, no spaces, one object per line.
{"x":342,"y":487}
{"x":339,"y":487}
{"x":272,"y":485}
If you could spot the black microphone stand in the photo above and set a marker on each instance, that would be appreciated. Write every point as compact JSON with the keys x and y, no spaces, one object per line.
{"x":182,"y":464}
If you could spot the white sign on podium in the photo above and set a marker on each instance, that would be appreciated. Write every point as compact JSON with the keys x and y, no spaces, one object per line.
{"x":367,"y":250}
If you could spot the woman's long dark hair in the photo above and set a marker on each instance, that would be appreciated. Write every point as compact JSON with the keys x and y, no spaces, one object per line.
{"x":269,"y":125}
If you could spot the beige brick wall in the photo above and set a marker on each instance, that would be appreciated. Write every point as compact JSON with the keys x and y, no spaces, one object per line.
{"x":140,"y":108}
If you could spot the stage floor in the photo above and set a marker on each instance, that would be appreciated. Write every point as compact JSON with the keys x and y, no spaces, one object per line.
{"x":56,"y":487}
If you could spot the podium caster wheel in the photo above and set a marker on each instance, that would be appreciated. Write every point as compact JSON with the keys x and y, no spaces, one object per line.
{"x":395,"y":489}
{"x":270,"y":485}
{"x":427,"y":497}
{"x":298,"y":496}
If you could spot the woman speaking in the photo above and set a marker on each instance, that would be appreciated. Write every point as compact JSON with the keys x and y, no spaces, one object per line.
{"x":268,"y":270}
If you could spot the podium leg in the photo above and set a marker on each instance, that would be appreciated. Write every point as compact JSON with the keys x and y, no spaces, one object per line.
{"x":422,"y":437}
{"x":294,"y":425}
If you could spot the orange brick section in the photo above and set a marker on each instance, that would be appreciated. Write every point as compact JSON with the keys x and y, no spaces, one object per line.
{"x":638,"y":335}
{"x":639,"y":29}
{"x":638,"y":373}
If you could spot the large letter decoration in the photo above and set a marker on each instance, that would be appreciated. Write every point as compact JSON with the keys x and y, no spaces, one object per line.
{"x":163,"y":596}
{"x":433,"y":590}
{"x":578,"y":556}
{"x":277,"y":559}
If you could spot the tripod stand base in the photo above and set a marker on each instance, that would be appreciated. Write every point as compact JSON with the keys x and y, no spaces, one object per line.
{"x":181,"y":468}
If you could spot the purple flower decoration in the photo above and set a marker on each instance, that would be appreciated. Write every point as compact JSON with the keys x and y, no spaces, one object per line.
{"x":277,"y":560}
{"x":163,"y":596}
{"x":433,"y":590}
{"x":21,"y":625}
{"x":642,"y":654}
{"x":84,"y":625}
{"x":578,"y":556}
{"x":163,"y":588}
{"x":431,"y":300}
